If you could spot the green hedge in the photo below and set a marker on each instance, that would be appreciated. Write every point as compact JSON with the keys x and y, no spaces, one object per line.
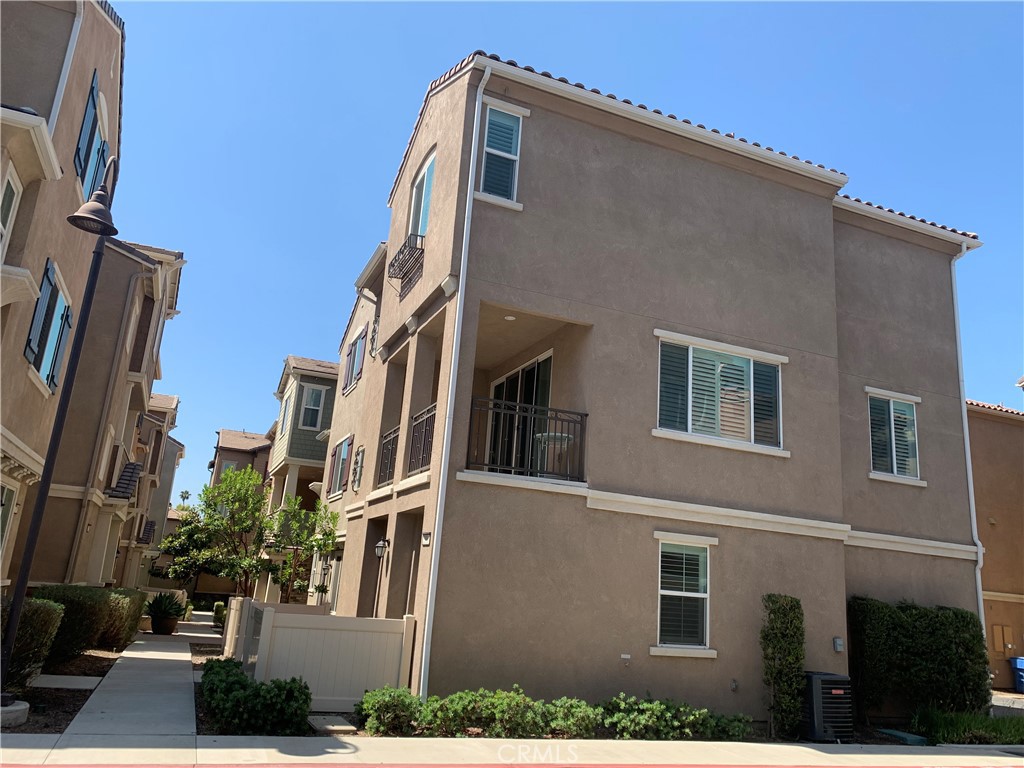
{"x":240,"y":707}
{"x":968,"y":728}
{"x":782,"y":650}
{"x":916,"y":658}
{"x":124,"y":607}
{"x":37,"y":627}
{"x":512,"y":714}
{"x":86,"y":611}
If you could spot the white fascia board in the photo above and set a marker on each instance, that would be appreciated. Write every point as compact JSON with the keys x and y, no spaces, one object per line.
{"x":905,"y":222}
{"x":371,"y":266}
{"x":36,"y":126}
{"x":662,"y":122}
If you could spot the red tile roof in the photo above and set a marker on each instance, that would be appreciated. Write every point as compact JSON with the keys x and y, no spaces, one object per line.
{"x":998,"y":408}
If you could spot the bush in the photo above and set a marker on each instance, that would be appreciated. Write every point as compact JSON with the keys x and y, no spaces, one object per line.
{"x":782,"y":649}
{"x":240,"y":707}
{"x":37,"y":627}
{"x":220,"y":612}
{"x":572,"y":718}
{"x":513,"y":715}
{"x":454,"y":715}
{"x":86,"y":611}
{"x":124,"y":608}
{"x":389,"y":711}
{"x":916,"y":657}
{"x":968,"y":728}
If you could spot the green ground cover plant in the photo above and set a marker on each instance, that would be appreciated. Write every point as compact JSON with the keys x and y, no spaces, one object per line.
{"x":239,"y":706}
{"x":967,"y":728}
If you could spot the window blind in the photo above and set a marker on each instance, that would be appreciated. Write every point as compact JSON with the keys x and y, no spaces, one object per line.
{"x":672,"y":386}
{"x":881,"y":438}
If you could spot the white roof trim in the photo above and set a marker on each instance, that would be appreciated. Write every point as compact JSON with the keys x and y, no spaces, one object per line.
{"x":371,"y":266}
{"x":663,"y":122}
{"x":36,"y":126}
{"x":906,"y":222}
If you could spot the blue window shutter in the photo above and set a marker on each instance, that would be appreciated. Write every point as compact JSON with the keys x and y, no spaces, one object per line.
{"x":34,"y":344}
{"x":881,"y":437}
{"x":766,"y":404}
{"x":53,"y":377}
{"x":87,"y":130}
{"x":672,"y":387}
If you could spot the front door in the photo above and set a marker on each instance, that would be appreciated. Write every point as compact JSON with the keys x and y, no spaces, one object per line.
{"x":520,"y":414}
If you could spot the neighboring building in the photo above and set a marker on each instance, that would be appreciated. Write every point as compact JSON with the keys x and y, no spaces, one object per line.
{"x":306,"y":392}
{"x":997,"y":461}
{"x":160,"y":508}
{"x":60,"y":80}
{"x":237,"y":450}
{"x":114,"y":430}
{"x":687,"y":373}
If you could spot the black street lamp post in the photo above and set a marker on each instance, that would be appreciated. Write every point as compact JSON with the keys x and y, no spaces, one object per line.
{"x":94,"y":217}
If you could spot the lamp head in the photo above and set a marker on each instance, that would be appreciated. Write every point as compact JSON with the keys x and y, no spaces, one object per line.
{"x":381,"y":547}
{"x":94,"y":215}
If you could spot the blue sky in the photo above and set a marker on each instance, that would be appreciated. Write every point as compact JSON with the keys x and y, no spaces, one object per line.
{"x":262,"y":139}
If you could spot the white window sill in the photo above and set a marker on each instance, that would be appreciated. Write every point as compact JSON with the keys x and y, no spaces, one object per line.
{"x":717,"y":442}
{"x":354,"y":511}
{"x":381,"y":493}
{"x":335,"y":495}
{"x":550,"y":485}
{"x":349,"y":389}
{"x":897,"y":479}
{"x":501,"y":202}
{"x":36,"y":378}
{"x":422,"y":478}
{"x":678,"y":650}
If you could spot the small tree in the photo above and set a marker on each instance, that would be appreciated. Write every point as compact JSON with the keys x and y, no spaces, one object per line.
{"x":192,"y":549}
{"x":184,"y":496}
{"x":782,"y":647}
{"x":301,"y":533}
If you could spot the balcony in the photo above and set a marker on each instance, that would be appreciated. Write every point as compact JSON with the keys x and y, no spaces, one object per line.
{"x":422,"y":440}
{"x":527,"y":440}
{"x":388,"y":457}
{"x":407,"y":266}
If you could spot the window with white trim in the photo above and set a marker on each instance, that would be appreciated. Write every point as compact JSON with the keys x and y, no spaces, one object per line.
{"x":354,"y":360}
{"x":339,"y":465}
{"x":286,"y":405}
{"x":501,"y":154}
{"x":683,"y":595}
{"x":11,"y":196}
{"x":50,"y":331}
{"x":421,"y":192}
{"x":893,"y":437}
{"x":312,"y":406}
{"x":717,"y":394}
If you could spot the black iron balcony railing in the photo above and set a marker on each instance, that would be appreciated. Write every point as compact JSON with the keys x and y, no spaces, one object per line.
{"x":527,"y":440}
{"x":407,"y":265}
{"x":388,"y":456}
{"x":422,"y":439}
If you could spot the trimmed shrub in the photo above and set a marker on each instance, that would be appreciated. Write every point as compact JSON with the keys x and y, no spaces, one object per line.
{"x":240,"y":707}
{"x":572,"y":718}
{"x":917,"y":658}
{"x":124,"y":611}
{"x":389,"y":711}
{"x":37,"y":627}
{"x":782,"y":649}
{"x":86,"y":611}
{"x":513,"y":715}
{"x":220,"y":613}
{"x":454,"y":715}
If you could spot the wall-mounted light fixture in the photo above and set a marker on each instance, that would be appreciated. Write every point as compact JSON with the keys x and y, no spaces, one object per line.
{"x":426,"y":538}
{"x":381,"y":547}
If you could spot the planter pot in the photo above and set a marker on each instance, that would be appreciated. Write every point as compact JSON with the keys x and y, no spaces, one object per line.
{"x":165,"y":626}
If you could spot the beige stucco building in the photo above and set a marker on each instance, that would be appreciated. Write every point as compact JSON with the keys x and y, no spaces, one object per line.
{"x":612,"y":376}
{"x":997,"y":461}
{"x":238,"y":449}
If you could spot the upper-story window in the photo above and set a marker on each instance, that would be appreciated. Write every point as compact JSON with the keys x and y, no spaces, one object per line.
{"x":354,"y":360}
{"x":501,"y":154}
{"x":91,"y":151}
{"x":286,"y":405}
{"x":339,"y":464}
{"x":50,"y":330}
{"x":714,"y":392}
{"x":9,"y":206}
{"x":421,"y":192}
{"x":312,"y":406}
{"x":893,"y":419}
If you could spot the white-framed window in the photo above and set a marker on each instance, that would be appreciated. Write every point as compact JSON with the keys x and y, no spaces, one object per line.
{"x":286,"y":406}
{"x":717,"y":391}
{"x":9,"y":199}
{"x":683,"y":594}
{"x":50,"y":331}
{"x":354,"y":360}
{"x":339,"y":464}
{"x":227,"y":465}
{"x":500,"y":175}
{"x":893,"y":422}
{"x":421,"y":192}
{"x":312,"y":406}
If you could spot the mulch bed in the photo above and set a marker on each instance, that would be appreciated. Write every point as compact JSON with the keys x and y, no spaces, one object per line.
{"x":204,"y":726}
{"x":92,"y":663}
{"x":52,"y":709}
{"x":203,"y":651}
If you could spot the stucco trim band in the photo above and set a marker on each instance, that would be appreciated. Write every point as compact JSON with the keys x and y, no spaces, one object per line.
{"x":18,"y":284}
{"x":17,"y":450}
{"x":686,"y":538}
{"x":693,"y":653}
{"x":46,"y":154}
{"x":423,"y":478}
{"x":77,"y":492}
{"x":381,"y":493}
{"x":1004,"y":597}
{"x":912,"y":546}
{"x":530,"y":483}
{"x":719,"y":442}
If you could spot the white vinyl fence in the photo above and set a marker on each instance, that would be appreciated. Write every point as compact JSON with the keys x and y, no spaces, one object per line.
{"x":340,"y":657}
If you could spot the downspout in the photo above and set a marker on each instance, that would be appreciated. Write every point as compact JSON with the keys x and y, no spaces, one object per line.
{"x":449,"y":415}
{"x":967,"y":441}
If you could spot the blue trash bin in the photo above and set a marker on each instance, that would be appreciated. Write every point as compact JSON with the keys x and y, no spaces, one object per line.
{"x":1017,"y":665}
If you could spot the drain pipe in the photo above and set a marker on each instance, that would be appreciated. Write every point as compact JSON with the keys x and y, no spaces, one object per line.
{"x":967,"y":442}
{"x":449,"y":415}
